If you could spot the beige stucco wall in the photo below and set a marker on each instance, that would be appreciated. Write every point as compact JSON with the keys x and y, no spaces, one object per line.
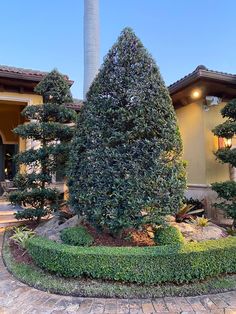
{"x":215,"y":171}
{"x":190,"y":120}
{"x":11,"y":105}
{"x":199,"y":143}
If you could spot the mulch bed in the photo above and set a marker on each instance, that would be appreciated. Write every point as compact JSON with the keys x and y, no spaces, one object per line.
{"x":130,"y":237}
{"x":19,"y":254}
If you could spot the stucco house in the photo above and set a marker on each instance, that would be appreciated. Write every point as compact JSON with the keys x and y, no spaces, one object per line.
{"x":197,"y":98}
{"x":17,"y":91}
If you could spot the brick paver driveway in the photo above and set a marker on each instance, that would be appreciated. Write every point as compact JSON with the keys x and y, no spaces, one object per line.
{"x":17,"y":298}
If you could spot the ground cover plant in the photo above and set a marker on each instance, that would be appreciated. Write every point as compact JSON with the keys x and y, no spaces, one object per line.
{"x":47,"y":127}
{"x":126,"y":168}
{"x":78,"y":236}
{"x":227,"y":190}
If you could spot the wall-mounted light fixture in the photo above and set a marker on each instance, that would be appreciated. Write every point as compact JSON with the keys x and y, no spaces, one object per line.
{"x":224,"y":142}
{"x":196,"y":93}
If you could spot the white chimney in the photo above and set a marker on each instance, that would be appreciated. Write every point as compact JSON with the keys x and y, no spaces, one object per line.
{"x":91,"y":42}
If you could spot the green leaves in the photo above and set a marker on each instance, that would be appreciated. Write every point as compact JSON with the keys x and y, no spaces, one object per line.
{"x":227,"y":190}
{"x":21,"y":235}
{"x":127,"y":148}
{"x":226,"y":155}
{"x":50,"y":112}
{"x":226,"y":129}
{"x":48,"y":131}
{"x":77,"y":236}
{"x":229,"y":110}
{"x":49,"y":127}
{"x":144,"y":265}
{"x":55,"y":88}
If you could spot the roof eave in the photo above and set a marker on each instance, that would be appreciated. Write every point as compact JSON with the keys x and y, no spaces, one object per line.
{"x":201,"y":74}
{"x":25,"y":77}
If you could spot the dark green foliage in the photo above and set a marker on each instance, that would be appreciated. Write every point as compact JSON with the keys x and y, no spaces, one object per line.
{"x":146,"y":265}
{"x":48,"y":126}
{"x":43,"y":280}
{"x":229,"y":110}
{"x":195,"y":202}
{"x":226,"y":155}
{"x":227,"y":190}
{"x":227,"y":193}
{"x":55,"y":88}
{"x":126,"y":166}
{"x":226,"y":129}
{"x":168,"y":235}
{"x":32,"y":213}
{"x":78,"y":236}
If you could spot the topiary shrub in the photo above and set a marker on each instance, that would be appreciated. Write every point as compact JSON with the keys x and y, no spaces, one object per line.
{"x":125,"y":167}
{"x":227,"y":190}
{"x":77,"y":236}
{"x":49,"y":130}
{"x":168,"y":235}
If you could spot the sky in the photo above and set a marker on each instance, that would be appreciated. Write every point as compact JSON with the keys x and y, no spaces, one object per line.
{"x":180,"y":34}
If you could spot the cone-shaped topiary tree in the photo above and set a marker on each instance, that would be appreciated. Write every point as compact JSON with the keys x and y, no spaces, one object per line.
{"x":126,"y":166}
{"x":47,"y":127}
{"x":227,"y":190}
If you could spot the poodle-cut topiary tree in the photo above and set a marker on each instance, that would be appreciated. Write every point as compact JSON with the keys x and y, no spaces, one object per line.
{"x":227,"y":190}
{"x":126,"y":167}
{"x":48,"y":129}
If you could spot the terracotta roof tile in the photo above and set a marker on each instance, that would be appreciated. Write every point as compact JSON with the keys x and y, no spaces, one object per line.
{"x":76,"y":105}
{"x":201,"y":71}
{"x":25,"y":74}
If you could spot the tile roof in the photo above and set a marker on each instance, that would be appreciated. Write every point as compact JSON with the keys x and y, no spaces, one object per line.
{"x":24,"y":74}
{"x":76,"y":105}
{"x":201,"y":72}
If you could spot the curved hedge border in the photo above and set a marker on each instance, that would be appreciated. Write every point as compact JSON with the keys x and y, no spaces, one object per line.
{"x":41,"y":279}
{"x":146,"y":265}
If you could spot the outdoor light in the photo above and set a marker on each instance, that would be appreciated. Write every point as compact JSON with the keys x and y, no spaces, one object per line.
{"x":224,"y":142}
{"x":196,"y":93}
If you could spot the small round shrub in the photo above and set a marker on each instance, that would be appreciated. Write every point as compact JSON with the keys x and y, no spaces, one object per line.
{"x":168,"y":235}
{"x":77,"y":236}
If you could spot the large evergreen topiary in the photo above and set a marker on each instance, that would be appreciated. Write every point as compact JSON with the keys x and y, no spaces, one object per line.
{"x":126,"y":166}
{"x":47,"y":126}
{"x":227,"y":190}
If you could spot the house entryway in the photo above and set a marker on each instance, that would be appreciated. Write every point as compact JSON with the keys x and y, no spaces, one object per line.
{"x":7,"y":164}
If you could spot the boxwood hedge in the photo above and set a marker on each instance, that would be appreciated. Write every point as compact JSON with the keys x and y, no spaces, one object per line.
{"x":148,"y":265}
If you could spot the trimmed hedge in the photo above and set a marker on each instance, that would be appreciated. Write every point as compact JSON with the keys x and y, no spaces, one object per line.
{"x":148,"y":265}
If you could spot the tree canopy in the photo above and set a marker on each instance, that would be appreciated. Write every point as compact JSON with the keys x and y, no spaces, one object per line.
{"x":47,"y":128}
{"x":126,"y":167}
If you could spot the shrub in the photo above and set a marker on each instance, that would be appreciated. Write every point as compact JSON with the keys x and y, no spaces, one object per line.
{"x":31,"y":214}
{"x":194,"y":201}
{"x":227,"y":190}
{"x":168,"y":235}
{"x":201,"y":221}
{"x":127,"y":150}
{"x":78,"y":236}
{"x":187,"y":212}
{"x":147,"y":265}
{"x":227,"y":196}
{"x":48,"y":127}
{"x":22,"y":235}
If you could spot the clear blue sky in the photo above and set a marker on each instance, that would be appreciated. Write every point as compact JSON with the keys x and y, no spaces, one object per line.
{"x":180,"y":34}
